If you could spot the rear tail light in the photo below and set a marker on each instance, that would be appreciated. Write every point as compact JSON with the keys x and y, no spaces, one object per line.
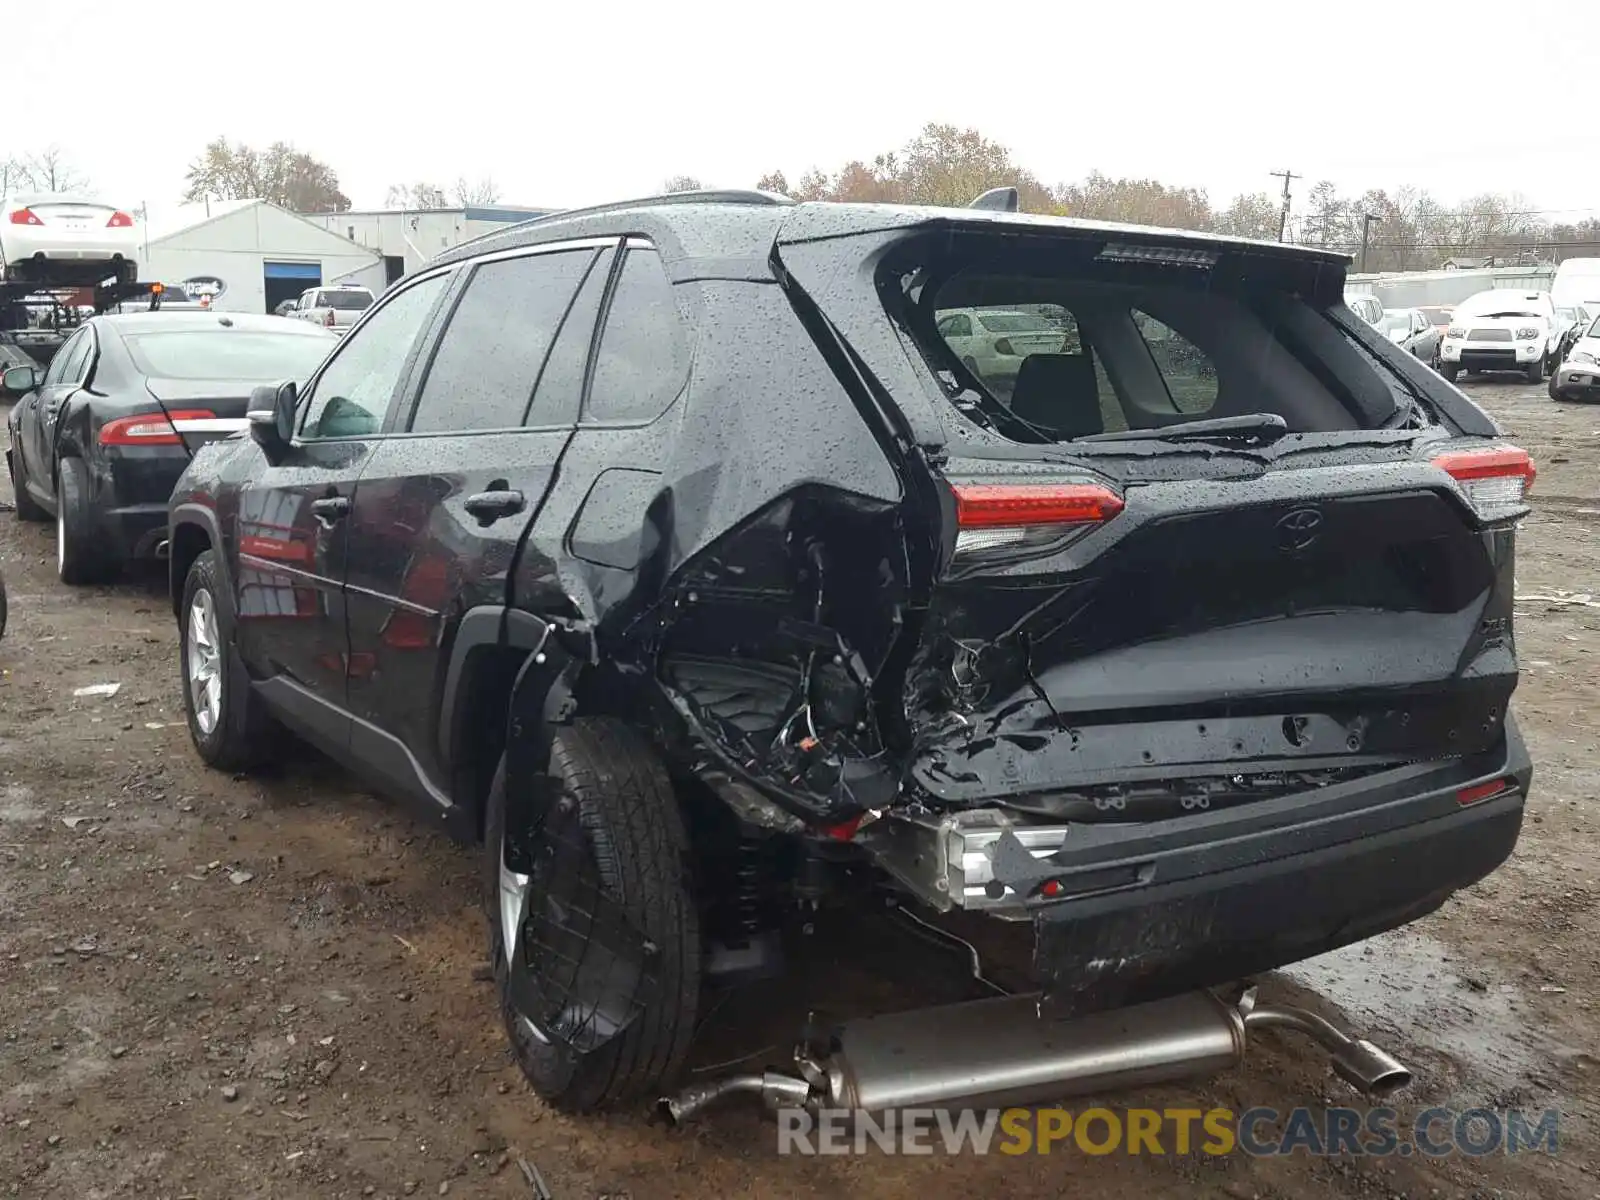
{"x":1010,"y":516}
{"x":120,"y":220}
{"x":25,"y":216}
{"x":151,"y":429}
{"x":1496,"y":481}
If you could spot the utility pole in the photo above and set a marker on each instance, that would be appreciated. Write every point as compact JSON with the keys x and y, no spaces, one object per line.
{"x":1367,"y":222}
{"x":1283,"y":217}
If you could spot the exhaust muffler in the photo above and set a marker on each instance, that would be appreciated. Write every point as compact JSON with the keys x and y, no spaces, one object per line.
{"x":998,"y":1053}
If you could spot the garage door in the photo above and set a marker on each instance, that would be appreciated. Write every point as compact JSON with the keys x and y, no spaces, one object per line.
{"x":310,"y":272}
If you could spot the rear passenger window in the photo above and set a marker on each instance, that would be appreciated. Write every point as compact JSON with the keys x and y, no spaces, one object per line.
{"x":1190,"y":377}
{"x":643,"y":361}
{"x":495,"y":343}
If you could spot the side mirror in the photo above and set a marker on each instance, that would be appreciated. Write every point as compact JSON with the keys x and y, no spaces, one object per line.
{"x":271,"y":416}
{"x":19,"y":380}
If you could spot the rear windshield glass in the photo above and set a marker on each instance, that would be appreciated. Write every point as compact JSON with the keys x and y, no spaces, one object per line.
{"x":1392,"y":321}
{"x":226,"y":354}
{"x":1076,"y":346}
{"x":347,"y":301}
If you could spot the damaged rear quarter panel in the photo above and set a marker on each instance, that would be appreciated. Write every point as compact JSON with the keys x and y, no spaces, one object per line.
{"x":767,"y":589}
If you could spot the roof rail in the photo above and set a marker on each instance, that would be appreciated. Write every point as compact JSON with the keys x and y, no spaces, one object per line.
{"x":710,"y":196}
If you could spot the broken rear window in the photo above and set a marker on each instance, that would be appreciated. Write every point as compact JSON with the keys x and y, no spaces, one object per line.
{"x":1076,"y":344}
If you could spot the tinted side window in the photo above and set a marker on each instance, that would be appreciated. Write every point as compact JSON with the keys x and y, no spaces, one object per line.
{"x":58,"y":365}
{"x":488,"y":360}
{"x":76,"y":367}
{"x":643,"y":361}
{"x":352,"y":395}
{"x":561,"y":383}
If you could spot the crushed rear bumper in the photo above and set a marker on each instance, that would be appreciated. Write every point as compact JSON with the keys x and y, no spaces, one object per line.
{"x":1125,"y":912}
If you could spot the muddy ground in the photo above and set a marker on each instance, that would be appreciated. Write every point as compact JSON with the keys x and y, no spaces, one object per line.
{"x":218,"y":987}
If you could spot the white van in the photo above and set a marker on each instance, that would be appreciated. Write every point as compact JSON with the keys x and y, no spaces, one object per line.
{"x":1577,"y":282}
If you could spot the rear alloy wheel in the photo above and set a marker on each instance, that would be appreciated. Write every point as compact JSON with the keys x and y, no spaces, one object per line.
{"x":227,"y":723}
{"x":596,"y":953}
{"x":27,"y":508}
{"x":79,"y":559}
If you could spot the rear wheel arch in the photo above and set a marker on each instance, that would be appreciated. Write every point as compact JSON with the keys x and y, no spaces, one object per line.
{"x":496,"y":671}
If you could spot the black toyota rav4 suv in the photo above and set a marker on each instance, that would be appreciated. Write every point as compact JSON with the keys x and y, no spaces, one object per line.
{"x":717,"y":555}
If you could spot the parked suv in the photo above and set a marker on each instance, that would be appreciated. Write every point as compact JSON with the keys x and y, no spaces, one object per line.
{"x":336,"y":307}
{"x":670,"y":549}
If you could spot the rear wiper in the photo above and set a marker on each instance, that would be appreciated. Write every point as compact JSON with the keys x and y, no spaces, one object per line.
{"x":1252,"y":429}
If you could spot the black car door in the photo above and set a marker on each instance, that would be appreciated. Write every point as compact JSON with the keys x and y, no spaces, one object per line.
{"x":65,"y":376}
{"x":289,"y":531}
{"x":442,"y":504}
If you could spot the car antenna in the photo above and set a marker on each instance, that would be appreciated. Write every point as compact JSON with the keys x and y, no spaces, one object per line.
{"x":1000,"y":199}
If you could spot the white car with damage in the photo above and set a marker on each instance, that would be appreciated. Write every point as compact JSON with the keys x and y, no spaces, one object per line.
{"x":1502,"y":329}
{"x":1578,"y":378}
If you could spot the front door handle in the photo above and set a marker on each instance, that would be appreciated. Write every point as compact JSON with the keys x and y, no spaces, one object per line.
{"x":330,"y":508}
{"x":489,"y":507}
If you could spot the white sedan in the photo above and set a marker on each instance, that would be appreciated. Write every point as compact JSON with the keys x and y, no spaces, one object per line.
{"x":66,"y":241}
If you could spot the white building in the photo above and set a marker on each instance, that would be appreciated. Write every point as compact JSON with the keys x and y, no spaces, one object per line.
{"x":248,"y":255}
{"x":407,"y":238}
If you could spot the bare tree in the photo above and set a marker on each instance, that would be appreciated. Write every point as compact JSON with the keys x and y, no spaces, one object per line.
{"x":49,"y":170}
{"x":682,"y":183}
{"x":416,"y":195}
{"x":484,"y":191}
{"x":280,"y":175}
{"x":14,"y":176}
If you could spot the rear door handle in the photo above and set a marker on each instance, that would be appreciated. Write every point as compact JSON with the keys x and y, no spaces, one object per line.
{"x":330,"y":508}
{"x":489,"y":507}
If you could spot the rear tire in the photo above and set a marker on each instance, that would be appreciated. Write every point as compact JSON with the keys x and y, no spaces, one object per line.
{"x":230,"y":727}
{"x":27,"y":508}
{"x":79,"y":559}
{"x":623,"y":806}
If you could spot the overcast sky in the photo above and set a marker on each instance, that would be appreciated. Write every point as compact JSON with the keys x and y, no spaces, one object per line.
{"x":567,"y":103}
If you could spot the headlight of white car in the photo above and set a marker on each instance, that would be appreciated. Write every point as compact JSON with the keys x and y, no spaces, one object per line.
{"x":1581,"y":356}
{"x":1527,"y":331}
{"x":1455,"y":331}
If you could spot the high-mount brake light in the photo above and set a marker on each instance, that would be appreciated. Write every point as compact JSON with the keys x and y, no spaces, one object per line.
{"x":120,"y":220}
{"x":1004,"y":516}
{"x":151,"y":429}
{"x":1496,"y":480}
{"x":25,"y":216}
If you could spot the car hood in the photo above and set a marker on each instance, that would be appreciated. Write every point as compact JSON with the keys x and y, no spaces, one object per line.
{"x":1487,"y":322}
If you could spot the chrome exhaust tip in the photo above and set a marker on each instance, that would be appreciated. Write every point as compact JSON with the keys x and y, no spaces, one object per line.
{"x":775,"y":1089}
{"x":1370,"y":1069}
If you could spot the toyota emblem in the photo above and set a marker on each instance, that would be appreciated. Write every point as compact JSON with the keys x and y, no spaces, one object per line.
{"x":1298,"y":529}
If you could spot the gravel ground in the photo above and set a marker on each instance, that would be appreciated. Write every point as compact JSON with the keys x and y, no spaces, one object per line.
{"x":220,"y":987}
